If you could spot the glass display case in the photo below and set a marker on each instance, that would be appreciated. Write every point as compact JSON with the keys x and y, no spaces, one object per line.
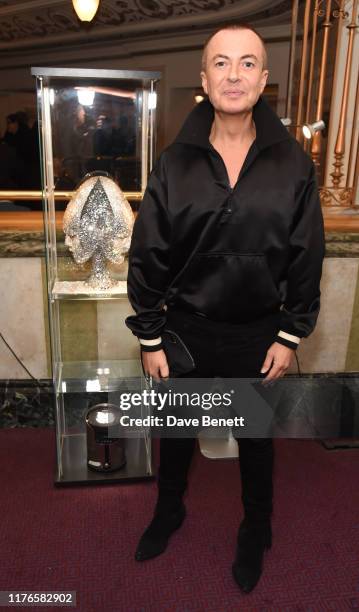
{"x":97,"y":142}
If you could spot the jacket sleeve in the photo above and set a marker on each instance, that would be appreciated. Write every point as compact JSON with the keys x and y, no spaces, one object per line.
{"x":307,"y":247}
{"x":148,"y":273}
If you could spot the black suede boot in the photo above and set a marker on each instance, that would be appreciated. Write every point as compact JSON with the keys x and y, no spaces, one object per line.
{"x":253,"y":539}
{"x":175,"y":460}
{"x":167,"y":518}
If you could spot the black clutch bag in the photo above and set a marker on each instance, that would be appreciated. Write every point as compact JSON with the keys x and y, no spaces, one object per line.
{"x":179,"y":358}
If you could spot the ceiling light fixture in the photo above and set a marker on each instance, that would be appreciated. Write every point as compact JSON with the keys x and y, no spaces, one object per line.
{"x":86,"y":9}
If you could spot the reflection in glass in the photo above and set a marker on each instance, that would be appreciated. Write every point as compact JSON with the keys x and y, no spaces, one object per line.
{"x":97,"y":128}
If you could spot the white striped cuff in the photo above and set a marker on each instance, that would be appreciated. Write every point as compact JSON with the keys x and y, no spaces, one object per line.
{"x":152,"y":342}
{"x":289,"y":337}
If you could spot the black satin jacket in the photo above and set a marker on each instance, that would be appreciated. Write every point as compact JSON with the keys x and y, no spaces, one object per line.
{"x":234,"y":255}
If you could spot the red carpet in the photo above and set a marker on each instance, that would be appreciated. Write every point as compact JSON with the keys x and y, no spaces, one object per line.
{"x":83,"y":539}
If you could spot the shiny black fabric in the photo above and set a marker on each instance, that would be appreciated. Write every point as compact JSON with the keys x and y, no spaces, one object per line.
{"x":233,"y":255}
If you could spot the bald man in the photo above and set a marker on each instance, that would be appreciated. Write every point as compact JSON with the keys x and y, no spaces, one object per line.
{"x":227,"y":250}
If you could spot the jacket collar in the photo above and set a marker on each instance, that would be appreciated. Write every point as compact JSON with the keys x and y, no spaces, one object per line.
{"x":197,"y":126}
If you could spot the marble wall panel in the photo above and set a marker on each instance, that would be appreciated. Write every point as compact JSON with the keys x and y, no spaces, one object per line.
{"x":22,"y":320}
{"x":326,"y":348}
{"x":352,"y":362}
{"x":78,"y":323}
{"x":115,"y":340}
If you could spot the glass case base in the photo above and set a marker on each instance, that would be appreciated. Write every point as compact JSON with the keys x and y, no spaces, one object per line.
{"x":74,"y":469}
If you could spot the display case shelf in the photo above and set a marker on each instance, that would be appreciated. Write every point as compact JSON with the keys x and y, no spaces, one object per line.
{"x":102,"y":376}
{"x":78,"y":290}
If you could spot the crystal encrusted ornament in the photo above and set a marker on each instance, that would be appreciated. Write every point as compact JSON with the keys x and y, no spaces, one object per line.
{"x":98,"y":224}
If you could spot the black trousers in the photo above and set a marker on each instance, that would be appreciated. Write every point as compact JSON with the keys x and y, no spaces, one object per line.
{"x":228,"y":351}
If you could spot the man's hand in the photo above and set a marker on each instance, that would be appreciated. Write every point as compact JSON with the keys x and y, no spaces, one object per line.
{"x":277,"y":361}
{"x":155,"y":364}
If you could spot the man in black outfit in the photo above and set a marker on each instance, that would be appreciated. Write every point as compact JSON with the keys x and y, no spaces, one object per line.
{"x":227,"y":249}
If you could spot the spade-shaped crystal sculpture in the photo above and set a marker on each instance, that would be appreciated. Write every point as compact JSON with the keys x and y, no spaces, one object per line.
{"x":98,"y":224}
